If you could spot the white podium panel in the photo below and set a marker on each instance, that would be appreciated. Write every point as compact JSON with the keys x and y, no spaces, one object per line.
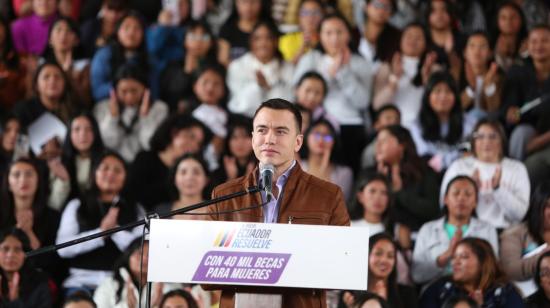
{"x":235,"y":253}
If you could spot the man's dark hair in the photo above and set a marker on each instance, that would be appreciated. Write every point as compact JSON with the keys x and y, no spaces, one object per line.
{"x":281,"y":104}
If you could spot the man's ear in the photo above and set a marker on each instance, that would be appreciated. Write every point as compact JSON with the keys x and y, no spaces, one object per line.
{"x":299,"y":142}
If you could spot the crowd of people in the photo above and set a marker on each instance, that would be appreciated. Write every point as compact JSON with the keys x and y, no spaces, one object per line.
{"x":428,"y":114}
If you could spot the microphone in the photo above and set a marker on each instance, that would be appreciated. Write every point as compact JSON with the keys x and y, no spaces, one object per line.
{"x":266,"y":173}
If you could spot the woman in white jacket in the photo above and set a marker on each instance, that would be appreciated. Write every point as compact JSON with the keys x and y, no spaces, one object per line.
{"x":128,"y":119}
{"x":260,"y":74}
{"x":503,"y":183}
{"x":349,"y":80}
{"x":438,"y":239}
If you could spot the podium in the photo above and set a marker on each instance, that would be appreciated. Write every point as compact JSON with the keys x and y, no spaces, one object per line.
{"x":258,"y":254}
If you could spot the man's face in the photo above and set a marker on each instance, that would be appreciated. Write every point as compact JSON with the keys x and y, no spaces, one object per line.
{"x":276,"y":138}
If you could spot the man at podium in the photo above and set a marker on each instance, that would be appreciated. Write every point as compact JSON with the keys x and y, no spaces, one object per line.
{"x":296,"y":198}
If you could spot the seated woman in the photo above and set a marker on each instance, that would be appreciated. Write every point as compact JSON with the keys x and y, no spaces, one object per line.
{"x":128,"y":119}
{"x":414,"y":185}
{"x":259,"y":74}
{"x":477,"y":274}
{"x":189,"y":178}
{"x":81,"y":149}
{"x":149,"y":181}
{"x":20,"y":284}
{"x":349,"y":78}
{"x":63,"y":49}
{"x":383,"y":274}
{"x":122,"y":289}
{"x":524,"y":238}
{"x":503,"y":183}
{"x":52,"y":94}
{"x":103,"y":207}
{"x":441,"y":126}
{"x":235,"y":33}
{"x":509,"y":35}
{"x":10,"y":129}
{"x":380,"y":39}
{"x":437,"y":240}
{"x":480,"y":80}
{"x":23,"y":202}
{"x":310,"y":93}
{"x":320,"y":154}
{"x":98,"y":30}
{"x":127,"y":47}
{"x":294,"y":45}
{"x":178,"y":298}
{"x":541,"y":298}
{"x":165,"y":37}
{"x":238,"y":158}
{"x":372,"y":206}
{"x":176,"y":79}
{"x":401,"y":79}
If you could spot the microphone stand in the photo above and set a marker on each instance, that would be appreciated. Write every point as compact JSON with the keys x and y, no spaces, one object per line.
{"x":145,"y":222}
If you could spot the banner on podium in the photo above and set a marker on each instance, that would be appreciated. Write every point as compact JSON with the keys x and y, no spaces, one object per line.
{"x":239,"y":253}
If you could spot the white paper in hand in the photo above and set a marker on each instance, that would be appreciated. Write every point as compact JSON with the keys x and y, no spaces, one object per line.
{"x":45,"y":128}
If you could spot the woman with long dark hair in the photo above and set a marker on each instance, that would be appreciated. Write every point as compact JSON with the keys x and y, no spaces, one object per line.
{"x":52,"y":93}
{"x":372,"y":206}
{"x":349,"y":78}
{"x":64,"y":49}
{"x":101,"y":208}
{"x":128,"y":46}
{"x":476,"y":273}
{"x":414,"y":185}
{"x":23,"y":202}
{"x":238,"y":157}
{"x":149,"y":180}
{"x":234,"y":35}
{"x":200,"y":51}
{"x":400,"y":79}
{"x":481,"y":80}
{"x":444,"y":38}
{"x":383,"y":273}
{"x":441,"y":126}
{"x":380,"y":39}
{"x":81,"y":149}
{"x":21,"y":285}
{"x":259,"y":74}
{"x":541,"y":298}
{"x":509,"y":34}
{"x":189,"y":181}
{"x":10,"y":129}
{"x":322,"y":146}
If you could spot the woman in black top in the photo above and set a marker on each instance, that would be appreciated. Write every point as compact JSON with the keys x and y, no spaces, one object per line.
{"x":177,"y":78}
{"x":149,"y":180}
{"x":53,"y":94}
{"x":541,"y":298}
{"x":105,"y":206}
{"x":20,"y":284}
